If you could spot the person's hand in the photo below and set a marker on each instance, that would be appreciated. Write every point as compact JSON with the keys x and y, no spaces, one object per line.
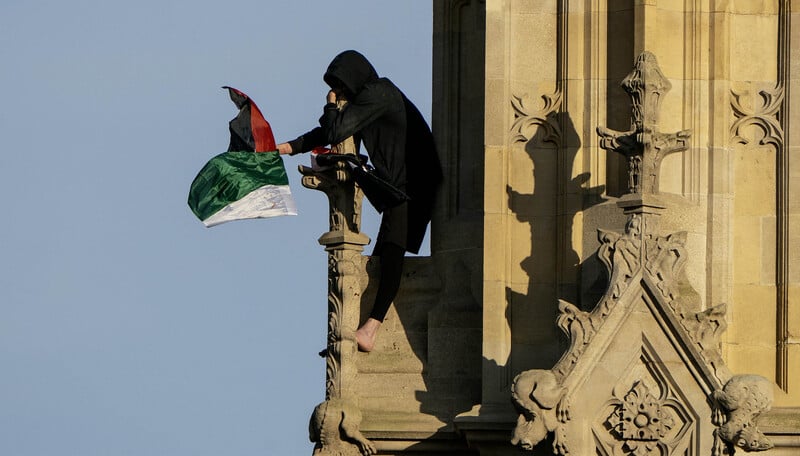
{"x":332,"y":96}
{"x":284,"y":148}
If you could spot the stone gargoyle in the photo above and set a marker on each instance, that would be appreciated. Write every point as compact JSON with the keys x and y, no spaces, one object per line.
{"x":537,"y":394}
{"x":741,"y":401}
{"x":334,"y":429}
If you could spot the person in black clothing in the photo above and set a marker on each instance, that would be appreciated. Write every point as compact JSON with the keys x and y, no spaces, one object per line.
{"x":400,"y":147}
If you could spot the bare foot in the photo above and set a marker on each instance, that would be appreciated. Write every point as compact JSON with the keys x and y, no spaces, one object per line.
{"x":366,"y":334}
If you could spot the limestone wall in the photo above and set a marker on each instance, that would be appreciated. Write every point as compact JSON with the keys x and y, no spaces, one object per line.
{"x":552,"y":76}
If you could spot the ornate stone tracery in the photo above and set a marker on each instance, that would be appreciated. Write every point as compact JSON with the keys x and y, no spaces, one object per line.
{"x":759,"y":109}
{"x":644,"y":297}
{"x":527,"y":118}
{"x":640,"y":420}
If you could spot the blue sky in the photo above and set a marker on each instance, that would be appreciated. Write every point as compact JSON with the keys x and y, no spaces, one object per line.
{"x":127,"y":327}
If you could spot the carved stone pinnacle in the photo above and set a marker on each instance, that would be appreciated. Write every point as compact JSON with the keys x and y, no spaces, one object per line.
{"x":644,"y":145}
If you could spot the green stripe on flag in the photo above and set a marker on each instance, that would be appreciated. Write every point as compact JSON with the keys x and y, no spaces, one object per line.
{"x":230,"y":176}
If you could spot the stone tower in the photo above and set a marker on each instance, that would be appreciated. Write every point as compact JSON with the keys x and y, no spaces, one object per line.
{"x":614,"y":262}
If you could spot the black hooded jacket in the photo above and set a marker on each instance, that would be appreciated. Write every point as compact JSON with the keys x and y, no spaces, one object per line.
{"x":394,"y":133}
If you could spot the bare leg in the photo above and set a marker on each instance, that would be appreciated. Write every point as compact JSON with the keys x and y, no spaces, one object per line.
{"x":366,"y":334}
{"x":391,"y":270}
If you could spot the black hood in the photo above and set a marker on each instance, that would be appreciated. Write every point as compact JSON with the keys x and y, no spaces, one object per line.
{"x":352,"y":69}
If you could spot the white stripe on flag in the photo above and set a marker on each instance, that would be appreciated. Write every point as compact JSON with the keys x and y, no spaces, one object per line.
{"x":263,"y":202}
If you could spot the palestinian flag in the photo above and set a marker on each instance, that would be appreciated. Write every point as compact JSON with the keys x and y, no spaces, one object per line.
{"x":247,"y":181}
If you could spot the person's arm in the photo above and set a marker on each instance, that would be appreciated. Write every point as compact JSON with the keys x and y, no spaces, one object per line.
{"x":303,"y":143}
{"x":284,"y":148}
{"x":337,"y":125}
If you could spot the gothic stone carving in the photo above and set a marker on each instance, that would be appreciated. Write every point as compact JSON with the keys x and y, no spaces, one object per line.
{"x":539,"y":398}
{"x":759,"y":111}
{"x":629,"y":256}
{"x":579,"y":326}
{"x":527,"y":119}
{"x":344,"y":198}
{"x":643,"y":145}
{"x":740,"y":402}
{"x":341,"y":269}
{"x":642,"y":261}
{"x":621,"y":255}
{"x":640,"y":417}
{"x":643,"y":423}
{"x":344,"y":243}
{"x":334,"y":428}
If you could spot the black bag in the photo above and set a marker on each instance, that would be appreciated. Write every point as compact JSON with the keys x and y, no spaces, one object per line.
{"x":380,"y":193}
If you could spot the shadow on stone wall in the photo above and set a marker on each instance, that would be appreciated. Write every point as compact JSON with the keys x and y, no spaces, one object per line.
{"x":428,"y":357}
{"x":553,"y":268}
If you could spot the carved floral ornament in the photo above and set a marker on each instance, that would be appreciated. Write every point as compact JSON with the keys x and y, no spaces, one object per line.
{"x":528,"y":119}
{"x":640,"y":421}
{"x":758,"y":108}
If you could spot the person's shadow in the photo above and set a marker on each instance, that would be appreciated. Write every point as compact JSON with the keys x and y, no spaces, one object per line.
{"x":554,"y":269}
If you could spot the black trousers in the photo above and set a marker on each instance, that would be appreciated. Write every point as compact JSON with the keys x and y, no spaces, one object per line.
{"x":391,"y":249}
{"x":391,"y":271}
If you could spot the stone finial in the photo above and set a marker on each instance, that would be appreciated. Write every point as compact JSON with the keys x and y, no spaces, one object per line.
{"x":644,"y":145}
{"x":646,"y":85}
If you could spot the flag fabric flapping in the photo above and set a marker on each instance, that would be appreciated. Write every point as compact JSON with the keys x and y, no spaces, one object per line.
{"x":241,"y":185}
{"x":249,"y":180}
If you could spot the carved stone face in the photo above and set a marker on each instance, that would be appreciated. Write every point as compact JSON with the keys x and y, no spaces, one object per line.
{"x":751,"y":439}
{"x":530,"y":430}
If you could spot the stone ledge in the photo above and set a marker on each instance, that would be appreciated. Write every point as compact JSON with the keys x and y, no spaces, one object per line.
{"x":487,"y":423}
{"x":781,"y":421}
{"x":401,"y":425}
{"x":389,"y":363}
{"x":438,"y":443}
